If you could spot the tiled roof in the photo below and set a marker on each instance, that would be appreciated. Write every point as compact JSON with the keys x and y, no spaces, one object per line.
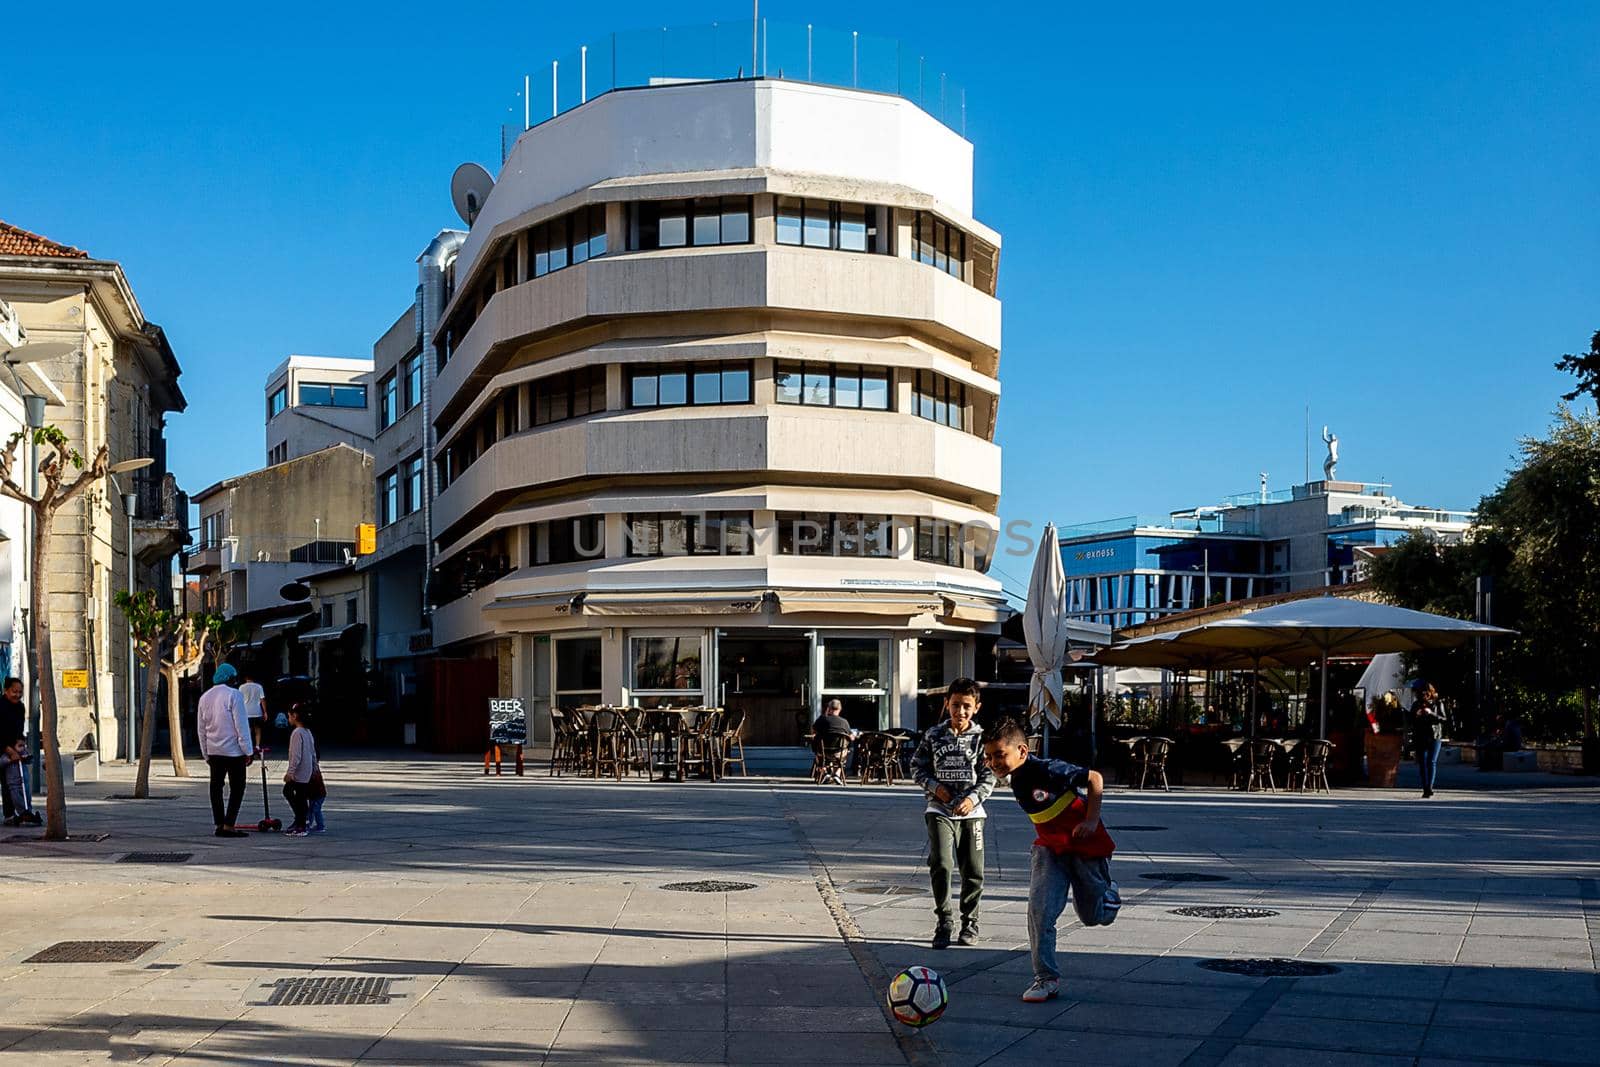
{"x":15,"y":241}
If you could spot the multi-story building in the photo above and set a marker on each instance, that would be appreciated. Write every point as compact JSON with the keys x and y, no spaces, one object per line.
{"x":715,"y":408}
{"x":115,"y":388}
{"x":263,"y":533}
{"x":404,"y":366}
{"x":317,"y":401}
{"x":1132,"y":570}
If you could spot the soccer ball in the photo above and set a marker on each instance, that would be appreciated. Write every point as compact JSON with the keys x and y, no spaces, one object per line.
{"x":917,"y":996}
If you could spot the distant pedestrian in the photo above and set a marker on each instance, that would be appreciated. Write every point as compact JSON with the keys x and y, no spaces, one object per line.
{"x":225,"y":743}
{"x":299,"y":775}
{"x":255,"y":705}
{"x":1427,"y":732}
{"x":950,"y":768}
{"x":14,"y":757}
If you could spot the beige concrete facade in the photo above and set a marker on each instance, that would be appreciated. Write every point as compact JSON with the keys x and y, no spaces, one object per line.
{"x":876,"y":618}
{"x":115,"y":389}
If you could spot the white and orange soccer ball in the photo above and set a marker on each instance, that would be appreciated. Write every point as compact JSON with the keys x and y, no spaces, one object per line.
{"x":917,"y":996}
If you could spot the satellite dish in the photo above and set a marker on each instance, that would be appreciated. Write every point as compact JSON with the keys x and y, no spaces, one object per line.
{"x":294,"y":591}
{"x":469,"y":188}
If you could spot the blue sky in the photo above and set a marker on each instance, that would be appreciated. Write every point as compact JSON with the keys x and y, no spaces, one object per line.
{"x":1212,"y":217}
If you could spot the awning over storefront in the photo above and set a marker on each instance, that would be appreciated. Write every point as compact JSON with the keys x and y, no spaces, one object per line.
{"x":736,"y":602}
{"x":281,"y":626}
{"x":959,"y":608}
{"x":850,"y":601}
{"x":328,"y":633}
{"x":534,"y":605}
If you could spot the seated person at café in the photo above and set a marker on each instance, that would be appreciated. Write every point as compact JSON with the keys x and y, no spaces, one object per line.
{"x":1509,"y":738}
{"x":830,"y":723}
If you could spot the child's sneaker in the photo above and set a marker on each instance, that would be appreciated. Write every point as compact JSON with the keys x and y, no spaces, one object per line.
{"x":969,"y":932}
{"x":1041,"y":990}
{"x":294,"y":831}
{"x":941,"y":936}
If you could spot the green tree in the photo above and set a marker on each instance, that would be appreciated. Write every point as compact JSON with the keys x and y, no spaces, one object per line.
{"x":169,"y":645}
{"x":1585,"y":366}
{"x":59,"y":459}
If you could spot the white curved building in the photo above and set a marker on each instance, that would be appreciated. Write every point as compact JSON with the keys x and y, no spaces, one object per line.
{"x":715,"y":408}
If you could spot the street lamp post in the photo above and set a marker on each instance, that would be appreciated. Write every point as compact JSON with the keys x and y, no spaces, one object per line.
{"x":33,"y":413}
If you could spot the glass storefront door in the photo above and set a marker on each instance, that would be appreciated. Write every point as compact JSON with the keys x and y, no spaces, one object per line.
{"x":855,"y":671}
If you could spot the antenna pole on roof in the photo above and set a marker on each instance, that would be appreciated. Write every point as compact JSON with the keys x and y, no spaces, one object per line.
{"x":755,"y":36}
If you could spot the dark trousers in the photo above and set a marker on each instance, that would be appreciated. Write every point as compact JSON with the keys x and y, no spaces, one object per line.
{"x":1428,"y":763}
{"x":232,"y":768}
{"x":298,"y":794}
{"x":955,"y":844}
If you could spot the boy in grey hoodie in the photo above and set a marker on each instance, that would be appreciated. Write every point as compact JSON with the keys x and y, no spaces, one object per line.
{"x":950,"y":768}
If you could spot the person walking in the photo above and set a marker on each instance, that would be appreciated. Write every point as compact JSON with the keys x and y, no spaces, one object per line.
{"x":950,"y":768}
{"x":1427,"y":732}
{"x":14,"y":757}
{"x":225,"y":744}
{"x":255,"y":705}
{"x":297,"y":777}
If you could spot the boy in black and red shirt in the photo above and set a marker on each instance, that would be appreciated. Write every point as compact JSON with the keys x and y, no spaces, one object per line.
{"x":1071,"y":851}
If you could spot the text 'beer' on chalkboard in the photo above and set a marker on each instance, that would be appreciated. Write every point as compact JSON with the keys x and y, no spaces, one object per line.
{"x":508,"y":721}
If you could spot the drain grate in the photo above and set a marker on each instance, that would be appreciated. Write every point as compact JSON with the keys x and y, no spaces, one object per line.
{"x":153,"y":796}
{"x":708,"y":887}
{"x":1183,"y":876}
{"x":93,"y":952}
{"x":345,"y":989}
{"x":156,"y":857}
{"x":1137,"y":829}
{"x":1223,"y":911}
{"x":887,"y":890}
{"x":18,"y":838}
{"x":1270,"y":968}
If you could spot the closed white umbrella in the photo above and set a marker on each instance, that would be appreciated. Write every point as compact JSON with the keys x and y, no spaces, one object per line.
{"x":1044,"y":628}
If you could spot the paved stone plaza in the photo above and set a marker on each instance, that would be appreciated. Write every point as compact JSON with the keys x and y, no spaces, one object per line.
{"x":523,"y":921}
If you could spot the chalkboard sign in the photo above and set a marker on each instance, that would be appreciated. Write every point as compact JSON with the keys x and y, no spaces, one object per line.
{"x":508,"y":721}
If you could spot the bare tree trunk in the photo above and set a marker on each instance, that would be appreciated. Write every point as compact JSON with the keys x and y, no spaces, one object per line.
{"x":45,"y":678}
{"x":147,"y":724}
{"x":180,"y":767}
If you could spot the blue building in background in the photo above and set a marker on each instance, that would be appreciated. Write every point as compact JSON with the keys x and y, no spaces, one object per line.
{"x":1132,"y":570}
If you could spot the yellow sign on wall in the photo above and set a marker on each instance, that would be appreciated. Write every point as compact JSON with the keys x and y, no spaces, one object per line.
{"x":74,"y":679}
{"x":366,"y":539}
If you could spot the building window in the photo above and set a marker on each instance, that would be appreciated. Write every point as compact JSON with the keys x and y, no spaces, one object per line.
{"x":812,"y":533}
{"x":689,"y":384}
{"x":211,"y":529}
{"x":326,"y":613}
{"x":940,"y":245}
{"x":328,"y":395}
{"x":709,"y":533}
{"x":668,"y":668}
{"x":277,"y":400}
{"x":573,"y":540}
{"x":510,"y":413}
{"x":411,"y":369}
{"x":412,"y":469}
{"x":388,"y":497}
{"x":351,"y":611}
{"x":822,"y":385}
{"x":569,"y":396}
{"x":577,"y":671}
{"x":388,"y":400}
{"x":572,"y":238}
{"x":844,"y":227}
{"x":278,"y":453}
{"x":941,"y":400}
{"x":712,"y":220}
{"x":941,"y":541}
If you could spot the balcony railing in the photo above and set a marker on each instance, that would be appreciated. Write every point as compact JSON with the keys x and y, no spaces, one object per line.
{"x":725,"y":51}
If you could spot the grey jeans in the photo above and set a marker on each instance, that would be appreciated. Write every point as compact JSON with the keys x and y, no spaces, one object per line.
{"x":1094,"y":897}
{"x":955,"y":844}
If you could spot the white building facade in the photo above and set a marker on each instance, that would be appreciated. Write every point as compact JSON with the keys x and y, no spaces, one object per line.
{"x":314,"y":402}
{"x":715,"y":404}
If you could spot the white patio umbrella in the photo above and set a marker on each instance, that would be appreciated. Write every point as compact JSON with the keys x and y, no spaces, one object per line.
{"x":1044,"y":628}
{"x":1326,"y":626}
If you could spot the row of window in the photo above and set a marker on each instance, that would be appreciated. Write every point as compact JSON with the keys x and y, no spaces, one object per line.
{"x":708,"y":221}
{"x":940,"y":399}
{"x":400,"y":390}
{"x":331,"y":395}
{"x":823,"y":385}
{"x":278,"y":453}
{"x":831,"y":224}
{"x":682,"y":385}
{"x":732,"y":533}
{"x":401,"y":490}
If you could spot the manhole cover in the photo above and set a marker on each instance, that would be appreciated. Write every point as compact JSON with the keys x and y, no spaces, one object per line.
{"x":708,"y":887}
{"x":887,"y":890}
{"x":1136,"y":829}
{"x":1183,"y":876}
{"x":1221,"y":911}
{"x":1270,"y":968}
{"x":156,"y":857}
{"x":93,"y":952}
{"x":346,"y":989}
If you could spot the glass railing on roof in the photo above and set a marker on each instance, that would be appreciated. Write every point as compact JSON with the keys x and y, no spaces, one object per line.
{"x":724,"y":51}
